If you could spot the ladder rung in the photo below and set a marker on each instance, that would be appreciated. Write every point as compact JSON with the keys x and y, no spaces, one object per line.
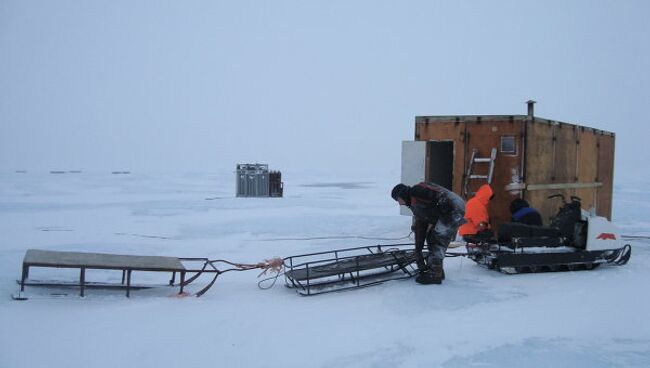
{"x":476,"y":160}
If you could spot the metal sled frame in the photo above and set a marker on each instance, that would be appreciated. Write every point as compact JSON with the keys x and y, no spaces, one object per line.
{"x":514,"y":260}
{"x":350,"y":268}
{"x":125,"y":263}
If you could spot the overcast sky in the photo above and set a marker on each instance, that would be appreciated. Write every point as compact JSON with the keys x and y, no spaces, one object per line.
{"x":326,"y":85}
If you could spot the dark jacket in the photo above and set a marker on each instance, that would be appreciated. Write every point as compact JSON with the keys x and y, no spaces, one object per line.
{"x":522,"y":213}
{"x":430,"y":202}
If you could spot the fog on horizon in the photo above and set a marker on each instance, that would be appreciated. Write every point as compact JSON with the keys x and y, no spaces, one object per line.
{"x":322,"y":86}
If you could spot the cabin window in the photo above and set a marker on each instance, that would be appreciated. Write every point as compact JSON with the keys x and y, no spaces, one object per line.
{"x":508,"y":145}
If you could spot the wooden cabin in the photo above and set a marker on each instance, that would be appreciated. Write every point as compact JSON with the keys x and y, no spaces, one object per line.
{"x":534,"y":158}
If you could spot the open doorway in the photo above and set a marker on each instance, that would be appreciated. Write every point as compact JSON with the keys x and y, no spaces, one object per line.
{"x":440,"y":168}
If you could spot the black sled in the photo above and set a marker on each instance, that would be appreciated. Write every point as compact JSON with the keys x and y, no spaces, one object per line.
{"x":351,"y":268}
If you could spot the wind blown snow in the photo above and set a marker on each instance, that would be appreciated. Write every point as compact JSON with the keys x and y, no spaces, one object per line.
{"x":477,"y":317}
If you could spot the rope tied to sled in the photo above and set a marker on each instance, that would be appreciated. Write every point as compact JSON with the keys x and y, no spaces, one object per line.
{"x":273,"y":265}
{"x":270,"y":266}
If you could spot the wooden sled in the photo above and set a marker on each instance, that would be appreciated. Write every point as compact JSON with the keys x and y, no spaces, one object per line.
{"x":189,"y":270}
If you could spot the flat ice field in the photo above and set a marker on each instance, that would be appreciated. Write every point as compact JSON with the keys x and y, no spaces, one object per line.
{"x":596,"y":318}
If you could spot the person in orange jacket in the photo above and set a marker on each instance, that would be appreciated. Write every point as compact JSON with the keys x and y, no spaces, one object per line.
{"x":477,"y":214}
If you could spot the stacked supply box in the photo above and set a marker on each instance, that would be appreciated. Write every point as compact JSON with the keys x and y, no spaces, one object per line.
{"x":255,"y":180}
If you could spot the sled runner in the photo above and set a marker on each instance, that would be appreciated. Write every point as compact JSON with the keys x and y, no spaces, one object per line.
{"x":342,"y":269}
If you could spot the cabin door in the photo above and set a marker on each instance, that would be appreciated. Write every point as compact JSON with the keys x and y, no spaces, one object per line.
{"x":440,"y":163}
{"x":431,"y":161}
{"x":414,"y":154}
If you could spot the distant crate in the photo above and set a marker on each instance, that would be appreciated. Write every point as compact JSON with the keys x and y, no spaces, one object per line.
{"x":255,"y":180}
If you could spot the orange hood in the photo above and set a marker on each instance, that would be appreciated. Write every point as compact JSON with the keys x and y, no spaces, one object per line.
{"x":483,"y":194}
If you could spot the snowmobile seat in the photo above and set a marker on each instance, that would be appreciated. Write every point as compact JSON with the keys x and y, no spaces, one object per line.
{"x":511,"y":230}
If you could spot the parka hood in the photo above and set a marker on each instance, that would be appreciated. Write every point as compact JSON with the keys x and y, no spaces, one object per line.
{"x":483,"y":194}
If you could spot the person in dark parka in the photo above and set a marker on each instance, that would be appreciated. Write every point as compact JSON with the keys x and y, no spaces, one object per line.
{"x":437,"y":212}
{"x":524,"y":214}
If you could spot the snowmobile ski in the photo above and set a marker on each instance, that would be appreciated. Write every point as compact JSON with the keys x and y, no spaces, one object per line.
{"x":539,"y":261}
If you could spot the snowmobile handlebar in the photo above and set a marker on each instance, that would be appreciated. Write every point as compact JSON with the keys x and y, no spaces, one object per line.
{"x":560,"y":195}
{"x":557,"y":196}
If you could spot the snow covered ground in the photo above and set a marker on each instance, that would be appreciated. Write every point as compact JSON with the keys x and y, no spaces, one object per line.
{"x":476,"y":318}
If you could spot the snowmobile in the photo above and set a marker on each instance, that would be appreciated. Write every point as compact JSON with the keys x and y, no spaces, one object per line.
{"x":575,"y":240}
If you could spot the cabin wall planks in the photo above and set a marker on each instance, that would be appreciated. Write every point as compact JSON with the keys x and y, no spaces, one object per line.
{"x":550,"y":157}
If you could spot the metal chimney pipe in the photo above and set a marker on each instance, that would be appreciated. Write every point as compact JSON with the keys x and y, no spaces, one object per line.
{"x":531,"y":108}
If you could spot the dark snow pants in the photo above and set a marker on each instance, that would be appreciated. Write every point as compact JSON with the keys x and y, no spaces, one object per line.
{"x":438,"y":237}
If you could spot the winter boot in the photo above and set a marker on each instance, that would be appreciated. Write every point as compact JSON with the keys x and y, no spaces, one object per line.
{"x":437,"y":272}
{"x":425,"y":277}
{"x":433,"y":263}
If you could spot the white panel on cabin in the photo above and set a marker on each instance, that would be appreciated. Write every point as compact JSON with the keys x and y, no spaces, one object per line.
{"x":413,"y":168}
